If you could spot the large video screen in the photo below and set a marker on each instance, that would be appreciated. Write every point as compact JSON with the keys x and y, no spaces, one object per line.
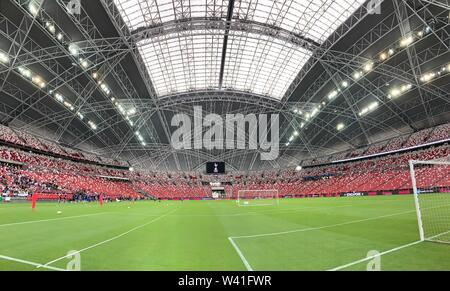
{"x":215,"y":168}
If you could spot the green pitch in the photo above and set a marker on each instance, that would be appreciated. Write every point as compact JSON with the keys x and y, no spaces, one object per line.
{"x":299,"y":234}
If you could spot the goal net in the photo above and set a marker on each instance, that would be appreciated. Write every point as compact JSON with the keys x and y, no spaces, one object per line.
{"x":257,"y":197}
{"x":431,"y":186}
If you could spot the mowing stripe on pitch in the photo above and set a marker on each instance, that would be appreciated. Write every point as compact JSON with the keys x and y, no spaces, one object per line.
{"x":246,"y":263}
{"x":110,"y":239}
{"x":331,"y":225}
{"x":252,"y":213}
{"x":321,"y":227}
{"x":51,"y":219}
{"x":30,"y":263}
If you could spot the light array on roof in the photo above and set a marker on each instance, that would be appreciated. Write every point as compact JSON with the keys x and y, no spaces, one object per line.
{"x":33,"y":7}
{"x":92,"y":125}
{"x":75,"y":51}
{"x":366,"y":69}
{"x":340,"y":126}
{"x":369,"y":67}
{"x":104,"y":88}
{"x":397,"y":91}
{"x":127,"y":114}
{"x":4,"y":58}
{"x":406,"y":41}
{"x":383,"y":56}
{"x":84,"y":63}
{"x":369,"y":108}
{"x":60,"y":36}
{"x":333,"y":94}
{"x":59,"y":97}
{"x":191,"y":60}
{"x":69,"y":105}
{"x":140,"y":138}
{"x":50,"y":27}
{"x":431,"y":75}
{"x":309,"y":116}
{"x":25,"y":72}
{"x":31,"y":76}
{"x":39,"y":82}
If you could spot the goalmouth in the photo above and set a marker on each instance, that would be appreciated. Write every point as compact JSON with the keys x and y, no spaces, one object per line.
{"x":431,"y":187}
{"x":257,"y":198}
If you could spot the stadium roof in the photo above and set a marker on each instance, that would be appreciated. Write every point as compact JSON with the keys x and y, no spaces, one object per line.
{"x":183,"y":60}
{"x":109,"y":77}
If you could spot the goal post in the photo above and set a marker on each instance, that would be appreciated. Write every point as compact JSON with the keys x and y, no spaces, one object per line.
{"x":431,"y":187}
{"x":257,"y":198}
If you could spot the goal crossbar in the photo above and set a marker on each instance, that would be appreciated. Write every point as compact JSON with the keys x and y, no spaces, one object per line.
{"x":249,"y":197}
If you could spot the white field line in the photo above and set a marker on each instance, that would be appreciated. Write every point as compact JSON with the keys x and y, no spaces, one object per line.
{"x":375,"y":256}
{"x":243,"y":259}
{"x":51,"y":219}
{"x":324,"y":207}
{"x":110,"y":239}
{"x":294,"y":209}
{"x":252,"y":213}
{"x":247,"y":264}
{"x":29,"y":263}
{"x":332,"y":225}
{"x":299,"y":209}
{"x":384,"y":253}
{"x":255,"y":205}
{"x":322,"y":227}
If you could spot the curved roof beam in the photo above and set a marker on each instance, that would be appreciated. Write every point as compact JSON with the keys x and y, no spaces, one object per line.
{"x":207,"y":25}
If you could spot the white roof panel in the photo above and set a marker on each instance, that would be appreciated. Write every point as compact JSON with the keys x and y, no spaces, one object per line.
{"x":183,"y":61}
{"x":191,"y":60}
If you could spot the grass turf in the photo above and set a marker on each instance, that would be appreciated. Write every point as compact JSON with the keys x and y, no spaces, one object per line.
{"x":299,"y":234}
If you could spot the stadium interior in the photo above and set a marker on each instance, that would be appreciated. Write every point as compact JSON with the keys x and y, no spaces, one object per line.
{"x":89,"y":91}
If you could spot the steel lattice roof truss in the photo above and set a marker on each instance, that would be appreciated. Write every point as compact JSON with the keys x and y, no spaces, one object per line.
{"x":183,"y":61}
{"x":261,"y":64}
{"x":227,"y":57}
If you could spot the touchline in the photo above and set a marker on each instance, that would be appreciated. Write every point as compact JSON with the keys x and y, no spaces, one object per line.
{"x":212,"y":132}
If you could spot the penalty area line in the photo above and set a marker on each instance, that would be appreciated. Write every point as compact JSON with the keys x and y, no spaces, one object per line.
{"x":386,"y":252}
{"x":246,"y":263}
{"x":6,"y":258}
{"x":243,"y":259}
{"x":321,"y":227}
{"x":332,"y":225}
{"x":375,"y":256}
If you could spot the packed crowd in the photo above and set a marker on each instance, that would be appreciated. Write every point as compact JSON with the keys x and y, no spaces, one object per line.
{"x":23,"y":173}
{"x":425,"y":136}
{"x":386,"y":173}
{"x":36,"y":173}
{"x":438,"y":133}
{"x":22,"y":138}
